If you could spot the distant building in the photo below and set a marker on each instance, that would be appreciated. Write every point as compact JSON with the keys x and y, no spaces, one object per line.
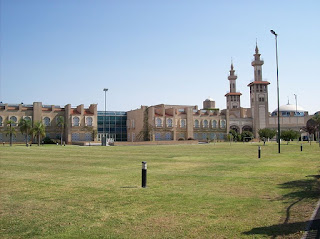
{"x":180,"y":122}
{"x":80,"y":122}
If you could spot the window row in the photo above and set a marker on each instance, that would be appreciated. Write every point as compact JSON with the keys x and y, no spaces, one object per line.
{"x":47,"y":120}
{"x":197,"y":123}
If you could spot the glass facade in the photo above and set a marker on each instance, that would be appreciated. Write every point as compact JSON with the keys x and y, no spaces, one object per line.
{"x":115,"y":123}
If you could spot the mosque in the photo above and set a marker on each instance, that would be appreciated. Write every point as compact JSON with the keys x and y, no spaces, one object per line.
{"x":182,"y":122}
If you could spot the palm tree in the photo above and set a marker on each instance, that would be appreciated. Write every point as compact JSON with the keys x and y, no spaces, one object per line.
{"x":25,"y":126}
{"x":10,"y":130}
{"x":39,"y":130}
{"x":61,"y":125}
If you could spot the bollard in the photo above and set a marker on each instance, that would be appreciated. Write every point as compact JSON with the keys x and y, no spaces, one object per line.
{"x":144,"y":174}
{"x":259,"y":152}
{"x":301,"y":147}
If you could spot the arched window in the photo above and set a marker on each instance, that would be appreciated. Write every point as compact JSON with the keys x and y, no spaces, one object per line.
{"x":0,"y":121}
{"x":76,"y":121}
{"x":46,"y":121}
{"x":158,"y":122}
{"x":183,"y":123}
{"x":214,"y":124}
{"x":169,"y":122}
{"x":14,"y":120}
{"x":223,"y":124}
{"x":27,"y":118}
{"x":89,"y":121}
{"x":196,"y":124}
{"x":205,"y":124}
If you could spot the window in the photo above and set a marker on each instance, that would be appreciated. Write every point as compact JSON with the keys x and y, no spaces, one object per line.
{"x":89,"y":121}
{"x":132,"y":123}
{"x":75,"y":137}
{"x":223,"y":124}
{"x":46,"y":121}
{"x":214,"y":124}
{"x":88,"y":137}
{"x":76,"y":121}
{"x":158,"y":136}
{"x":27,"y":118}
{"x":259,"y":72}
{"x":14,"y":120}
{"x":168,"y":136}
{"x":158,"y":122}
{"x":183,"y":123}
{"x":169,"y":122}
{"x":196,"y":124}
{"x":195,"y":135}
{"x":204,"y":136}
{"x":0,"y":121}
{"x":261,"y":99}
{"x":205,"y":124}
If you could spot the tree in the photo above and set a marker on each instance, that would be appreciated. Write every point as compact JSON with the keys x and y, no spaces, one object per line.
{"x":289,"y":135}
{"x":25,"y":126}
{"x":266,"y":133}
{"x":94,"y":134}
{"x":316,"y":119}
{"x":233,"y":134}
{"x":39,"y":130}
{"x":247,"y":135}
{"x":10,"y":130}
{"x":61,"y":126}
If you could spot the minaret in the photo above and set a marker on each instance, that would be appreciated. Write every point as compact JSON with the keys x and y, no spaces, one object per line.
{"x":258,"y":96}
{"x":233,"y":97}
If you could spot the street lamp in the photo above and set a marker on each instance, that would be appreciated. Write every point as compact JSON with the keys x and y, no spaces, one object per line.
{"x":276,"y":38}
{"x":104,"y":138}
{"x":296,"y":97}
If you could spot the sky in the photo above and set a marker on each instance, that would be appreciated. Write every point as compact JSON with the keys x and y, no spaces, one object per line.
{"x":152,"y":52}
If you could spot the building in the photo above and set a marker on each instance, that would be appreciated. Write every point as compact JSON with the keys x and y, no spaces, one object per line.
{"x":113,"y":124}
{"x":257,"y":116}
{"x":180,"y":122}
{"x":80,"y":122}
{"x":177,"y":122}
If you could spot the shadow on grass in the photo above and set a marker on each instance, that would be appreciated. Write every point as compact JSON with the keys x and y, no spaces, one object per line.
{"x":301,"y":189}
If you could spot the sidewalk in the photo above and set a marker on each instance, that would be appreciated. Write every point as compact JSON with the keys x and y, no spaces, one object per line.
{"x":313,"y":230}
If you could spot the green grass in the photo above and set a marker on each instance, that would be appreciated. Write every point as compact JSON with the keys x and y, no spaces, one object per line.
{"x":194,"y":191}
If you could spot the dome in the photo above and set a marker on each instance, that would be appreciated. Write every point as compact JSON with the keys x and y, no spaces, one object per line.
{"x":290,"y":108}
{"x":209,"y":99}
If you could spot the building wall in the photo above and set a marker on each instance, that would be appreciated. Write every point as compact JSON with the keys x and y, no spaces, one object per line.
{"x":79,"y":121}
{"x":175,"y":122}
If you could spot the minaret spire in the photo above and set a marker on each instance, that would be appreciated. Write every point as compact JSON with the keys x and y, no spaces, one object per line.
{"x":233,"y":97}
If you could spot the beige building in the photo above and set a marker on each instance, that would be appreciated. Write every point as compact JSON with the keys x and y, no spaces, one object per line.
{"x":180,"y":122}
{"x":79,"y":121}
{"x":177,"y":122}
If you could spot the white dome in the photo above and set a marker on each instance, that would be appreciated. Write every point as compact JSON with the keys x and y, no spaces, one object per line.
{"x":290,"y":108}
{"x":209,"y":99}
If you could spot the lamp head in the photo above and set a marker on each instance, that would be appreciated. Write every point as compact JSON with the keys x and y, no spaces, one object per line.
{"x":105,"y":89}
{"x":273,"y":32}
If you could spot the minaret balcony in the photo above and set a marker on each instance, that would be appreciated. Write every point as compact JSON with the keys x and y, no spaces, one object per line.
{"x":257,"y":62}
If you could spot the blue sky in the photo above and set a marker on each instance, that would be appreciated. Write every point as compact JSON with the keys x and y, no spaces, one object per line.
{"x":152,"y":52}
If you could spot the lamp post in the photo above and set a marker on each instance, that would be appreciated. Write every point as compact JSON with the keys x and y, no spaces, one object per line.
{"x":296,"y":97}
{"x":104,"y":138}
{"x":276,"y":38}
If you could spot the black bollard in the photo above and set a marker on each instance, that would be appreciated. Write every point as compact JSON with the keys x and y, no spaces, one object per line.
{"x":301,"y":147}
{"x":259,"y":152}
{"x":144,"y":174}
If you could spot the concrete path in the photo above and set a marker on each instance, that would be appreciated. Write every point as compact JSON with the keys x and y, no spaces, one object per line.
{"x":313,"y":230}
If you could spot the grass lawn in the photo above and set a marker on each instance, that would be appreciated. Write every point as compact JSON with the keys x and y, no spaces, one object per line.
{"x":193,"y":191}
